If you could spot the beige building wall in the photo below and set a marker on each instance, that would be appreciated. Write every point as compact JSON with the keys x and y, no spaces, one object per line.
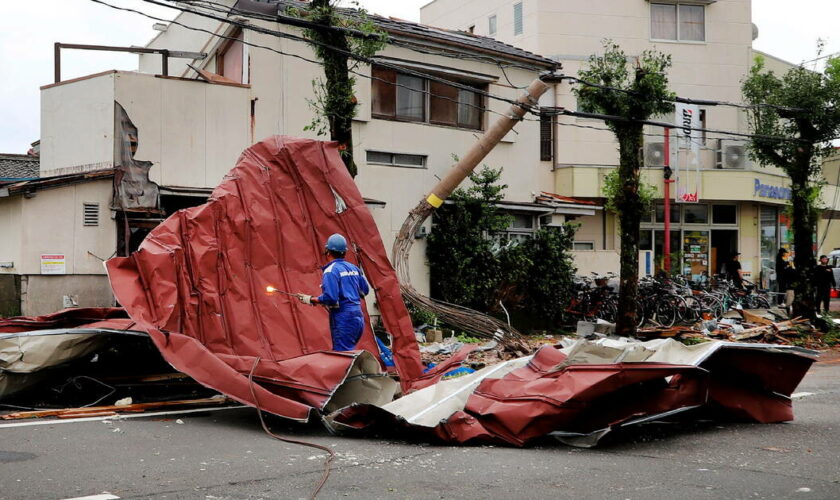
{"x":280,"y":88}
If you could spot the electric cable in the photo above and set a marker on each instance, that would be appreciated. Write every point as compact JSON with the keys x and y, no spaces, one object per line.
{"x":330,"y":453}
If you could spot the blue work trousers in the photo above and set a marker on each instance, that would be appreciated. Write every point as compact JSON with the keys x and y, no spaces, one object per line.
{"x":346,"y":328}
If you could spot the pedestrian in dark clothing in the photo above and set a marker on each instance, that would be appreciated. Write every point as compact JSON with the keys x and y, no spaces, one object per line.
{"x":824,"y":281}
{"x":733,"y":271}
{"x":784,"y":271}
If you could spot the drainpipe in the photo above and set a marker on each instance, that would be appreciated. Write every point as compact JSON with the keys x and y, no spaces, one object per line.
{"x":666,"y":264}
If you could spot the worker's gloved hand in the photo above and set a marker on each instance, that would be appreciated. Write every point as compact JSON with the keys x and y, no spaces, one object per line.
{"x":306,"y":299}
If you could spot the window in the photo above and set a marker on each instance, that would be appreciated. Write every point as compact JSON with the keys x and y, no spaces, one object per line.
{"x":724,"y":214}
{"x":410,"y":98}
{"x":696,"y":214}
{"x":583,"y":245}
{"x":411,"y":101}
{"x":396,"y":159}
{"x":677,"y":21}
{"x":90,"y":214}
{"x":491,"y":25}
{"x":660,"y":213}
{"x":546,"y":138}
{"x":517,"y":18}
{"x":521,"y":228}
{"x":230,"y":58}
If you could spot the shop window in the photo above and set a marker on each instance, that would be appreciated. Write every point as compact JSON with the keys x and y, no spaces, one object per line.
{"x":645,"y":239}
{"x":677,"y":22}
{"x":517,"y":19}
{"x":724,"y":214}
{"x":396,"y":159}
{"x":660,"y":213}
{"x":696,"y":214}
{"x":410,"y":98}
{"x":491,"y":25}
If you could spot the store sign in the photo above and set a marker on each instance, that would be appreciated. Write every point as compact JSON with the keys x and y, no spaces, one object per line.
{"x":687,"y":177}
{"x":54,"y":263}
{"x":767,"y":191}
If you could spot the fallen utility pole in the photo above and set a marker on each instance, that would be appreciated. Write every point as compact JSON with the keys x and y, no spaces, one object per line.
{"x":471,"y":321}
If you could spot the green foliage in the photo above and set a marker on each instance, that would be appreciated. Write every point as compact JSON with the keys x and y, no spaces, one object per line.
{"x":612,"y":187}
{"x":473,"y":265}
{"x":643,"y":92}
{"x":547,"y":283}
{"x":467,"y":339}
{"x":461,"y":250}
{"x":420,"y":316}
{"x":802,"y":106}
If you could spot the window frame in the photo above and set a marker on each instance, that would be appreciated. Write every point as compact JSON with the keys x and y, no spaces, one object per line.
{"x":518,"y":8}
{"x":492,"y":24}
{"x":385,"y":77}
{"x":393,"y":162}
{"x":589,"y":243}
{"x":676,"y":4}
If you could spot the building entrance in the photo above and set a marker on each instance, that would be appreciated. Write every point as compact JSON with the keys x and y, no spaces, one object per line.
{"x":724,"y":244}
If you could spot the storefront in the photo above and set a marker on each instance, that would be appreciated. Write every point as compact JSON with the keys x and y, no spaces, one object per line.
{"x":703,"y":237}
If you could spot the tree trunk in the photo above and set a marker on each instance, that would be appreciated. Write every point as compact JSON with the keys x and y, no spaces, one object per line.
{"x":340,"y":105}
{"x":803,"y":225}
{"x":630,"y":209}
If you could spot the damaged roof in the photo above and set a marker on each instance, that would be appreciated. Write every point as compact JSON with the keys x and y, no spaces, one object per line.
{"x":453,"y":40}
{"x":14,"y":166}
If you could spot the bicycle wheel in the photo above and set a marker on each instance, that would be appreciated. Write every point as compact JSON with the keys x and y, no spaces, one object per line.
{"x":666,"y":311}
{"x":692,"y":310}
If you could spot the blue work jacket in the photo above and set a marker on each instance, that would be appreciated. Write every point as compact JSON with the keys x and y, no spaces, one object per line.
{"x":344,"y":285}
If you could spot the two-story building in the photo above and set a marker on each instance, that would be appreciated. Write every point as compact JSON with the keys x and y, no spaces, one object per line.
{"x":739,"y":206}
{"x":224,"y":86}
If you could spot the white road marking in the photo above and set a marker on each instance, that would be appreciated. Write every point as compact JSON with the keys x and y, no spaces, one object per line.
{"x":117,"y":417}
{"x":103,"y":496}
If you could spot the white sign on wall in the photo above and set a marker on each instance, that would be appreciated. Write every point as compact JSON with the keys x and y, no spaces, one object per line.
{"x":53,"y":263}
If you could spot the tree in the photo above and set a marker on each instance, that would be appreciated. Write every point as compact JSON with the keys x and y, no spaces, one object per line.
{"x":461,"y":250}
{"x":795,"y":117}
{"x":631,"y":93}
{"x":335,"y":101}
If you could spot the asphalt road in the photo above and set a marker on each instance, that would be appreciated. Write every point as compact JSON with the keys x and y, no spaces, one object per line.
{"x":225,"y":455}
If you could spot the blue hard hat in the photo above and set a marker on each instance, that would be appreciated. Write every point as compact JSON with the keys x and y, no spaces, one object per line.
{"x":337,"y":243}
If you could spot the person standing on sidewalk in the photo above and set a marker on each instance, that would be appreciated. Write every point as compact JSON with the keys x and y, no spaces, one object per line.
{"x":824,"y":281}
{"x":784,"y":271}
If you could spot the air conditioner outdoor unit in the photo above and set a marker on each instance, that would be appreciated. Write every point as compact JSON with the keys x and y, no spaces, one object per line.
{"x":732,"y":155}
{"x":655,"y":154}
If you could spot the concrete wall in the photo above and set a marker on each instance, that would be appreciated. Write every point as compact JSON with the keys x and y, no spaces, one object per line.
{"x":10,"y":235}
{"x":45,"y":294}
{"x":77,"y":125}
{"x":596,"y":261}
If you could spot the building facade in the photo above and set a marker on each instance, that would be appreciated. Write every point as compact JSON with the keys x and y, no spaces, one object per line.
{"x":175,"y":135}
{"x":723,"y":202}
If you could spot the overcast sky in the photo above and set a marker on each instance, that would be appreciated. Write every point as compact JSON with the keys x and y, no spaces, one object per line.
{"x":28,"y":30}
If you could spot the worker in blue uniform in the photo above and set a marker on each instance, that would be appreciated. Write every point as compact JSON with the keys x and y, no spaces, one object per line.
{"x":343,"y":288}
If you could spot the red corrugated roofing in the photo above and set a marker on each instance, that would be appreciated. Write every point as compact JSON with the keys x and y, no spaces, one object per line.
{"x":197,"y":283}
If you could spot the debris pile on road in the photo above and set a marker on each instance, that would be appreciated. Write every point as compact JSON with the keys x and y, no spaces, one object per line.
{"x":772,"y":326}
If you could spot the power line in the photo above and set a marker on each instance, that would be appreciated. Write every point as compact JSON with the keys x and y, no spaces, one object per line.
{"x":406,"y":71}
{"x":685,"y":100}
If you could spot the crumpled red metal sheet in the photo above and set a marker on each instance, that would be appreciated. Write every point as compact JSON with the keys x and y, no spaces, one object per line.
{"x":197,"y":284}
{"x":102,"y":317}
{"x":579,"y":403}
{"x":538,"y":399}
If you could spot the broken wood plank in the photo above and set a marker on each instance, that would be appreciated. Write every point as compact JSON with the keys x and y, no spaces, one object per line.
{"x":137,"y":407}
